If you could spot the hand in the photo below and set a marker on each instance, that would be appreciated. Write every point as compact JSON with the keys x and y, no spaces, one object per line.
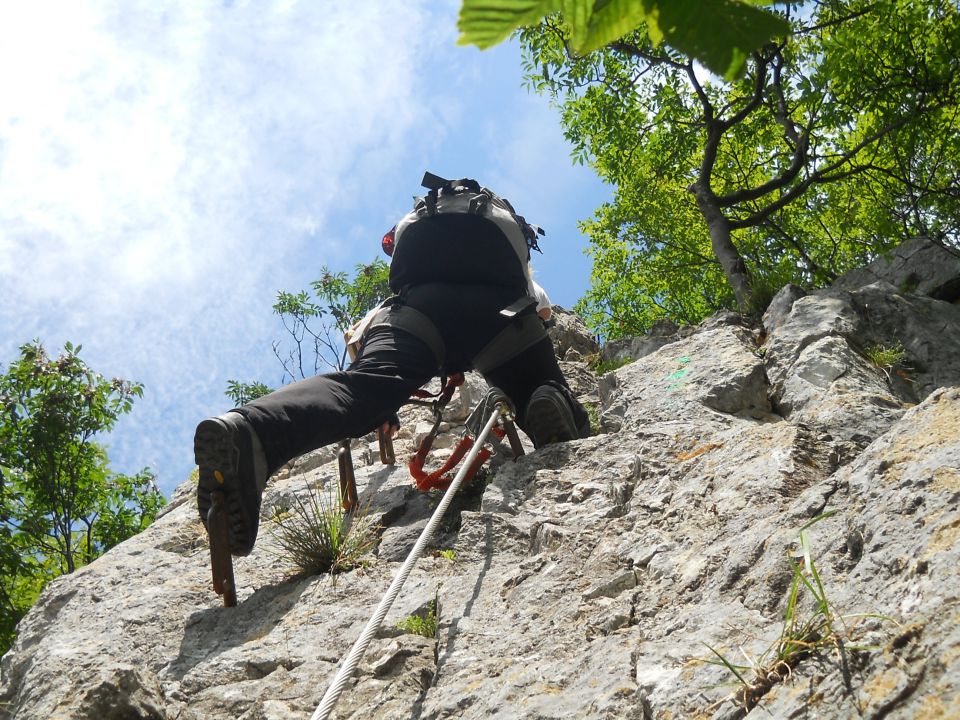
{"x":390,"y":428}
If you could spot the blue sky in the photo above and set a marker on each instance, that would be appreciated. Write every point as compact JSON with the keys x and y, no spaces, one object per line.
{"x":166,"y":168}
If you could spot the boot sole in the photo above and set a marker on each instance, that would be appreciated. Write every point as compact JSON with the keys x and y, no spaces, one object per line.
{"x":218,"y":458}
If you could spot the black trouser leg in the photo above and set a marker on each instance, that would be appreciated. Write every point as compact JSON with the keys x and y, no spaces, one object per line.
{"x":311,"y":413}
{"x":523,"y":374}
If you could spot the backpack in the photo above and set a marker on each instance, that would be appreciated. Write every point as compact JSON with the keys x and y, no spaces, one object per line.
{"x":461,"y":232}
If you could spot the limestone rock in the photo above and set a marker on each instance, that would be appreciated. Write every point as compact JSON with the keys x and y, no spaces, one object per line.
{"x":571,"y":338}
{"x":588,"y":579}
{"x":817,"y":358}
{"x":779,"y":308}
{"x":920,"y":266}
{"x":662,"y":333}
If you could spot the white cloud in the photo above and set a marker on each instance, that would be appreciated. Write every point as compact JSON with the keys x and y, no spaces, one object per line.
{"x":154,"y":145}
{"x":165,"y":168}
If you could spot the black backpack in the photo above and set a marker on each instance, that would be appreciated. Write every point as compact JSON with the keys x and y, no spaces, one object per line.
{"x":461,"y":232}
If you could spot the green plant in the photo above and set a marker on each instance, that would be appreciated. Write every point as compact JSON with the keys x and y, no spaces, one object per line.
{"x":725,"y":191}
{"x":602,"y":367}
{"x":319,"y":536}
{"x":718,"y":33}
{"x":424,"y":623}
{"x":593,"y":412}
{"x":315,"y":323}
{"x":241,"y":393}
{"x":447,"y":554}
{"x":885,"y":356}
{"x":60,"y":504}
{"x":804,"y":632}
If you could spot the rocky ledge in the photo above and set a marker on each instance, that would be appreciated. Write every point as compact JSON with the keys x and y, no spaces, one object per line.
{"x":601,"y":578}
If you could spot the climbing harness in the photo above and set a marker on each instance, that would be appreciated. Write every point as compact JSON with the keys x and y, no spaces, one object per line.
{"x":355,"y":655}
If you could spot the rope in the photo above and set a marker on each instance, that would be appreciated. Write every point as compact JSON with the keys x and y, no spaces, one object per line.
{"x":360,"y":646}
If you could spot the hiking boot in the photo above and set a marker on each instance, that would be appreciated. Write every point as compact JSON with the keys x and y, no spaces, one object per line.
{"x":231,"y":459}
{"x":548,"y":417}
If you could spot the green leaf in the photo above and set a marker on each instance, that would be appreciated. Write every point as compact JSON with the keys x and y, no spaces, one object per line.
{"x":610,"y":21}
{"x":720,"y":34}
{"x":485,"y":23}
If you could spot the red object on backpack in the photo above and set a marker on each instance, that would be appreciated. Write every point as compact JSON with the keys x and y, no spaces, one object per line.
{"x":388,"y":241}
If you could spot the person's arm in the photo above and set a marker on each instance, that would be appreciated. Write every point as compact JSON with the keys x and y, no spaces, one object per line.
{"x":544,"y":310}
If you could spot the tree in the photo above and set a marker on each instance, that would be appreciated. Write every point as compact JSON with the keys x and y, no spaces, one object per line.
{"x":839,"y":140}
{"x":718,"y":33}
{"x":315,"y":324}
{"x":60,"y":506}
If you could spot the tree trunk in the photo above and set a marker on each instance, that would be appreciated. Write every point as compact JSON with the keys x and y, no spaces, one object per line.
{"x":723,"y":248}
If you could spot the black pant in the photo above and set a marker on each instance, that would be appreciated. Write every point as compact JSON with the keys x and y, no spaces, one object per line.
{"x":392,"y":364}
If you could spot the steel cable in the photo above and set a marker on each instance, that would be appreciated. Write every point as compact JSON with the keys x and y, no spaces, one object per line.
{"x":353,"y":658}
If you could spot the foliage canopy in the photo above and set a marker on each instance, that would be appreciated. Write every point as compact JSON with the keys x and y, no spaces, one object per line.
{"x":60,"y":506}
{"x":840,"y":140}
{"x":718,"y":33}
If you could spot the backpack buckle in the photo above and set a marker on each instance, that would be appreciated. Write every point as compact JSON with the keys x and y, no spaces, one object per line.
{"x":477,"y":205}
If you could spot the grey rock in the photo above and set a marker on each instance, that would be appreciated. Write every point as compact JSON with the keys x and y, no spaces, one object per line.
{"x":571,"y":338}
{"x":817,"y":365}
{"x":779,"y":308}
{"x":919,"y":266}
{"x":590,"y":578}
{"x":662,"y":332}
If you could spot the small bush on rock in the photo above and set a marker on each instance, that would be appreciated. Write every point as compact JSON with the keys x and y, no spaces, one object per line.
{"x":804,"y":634}
{"x":319,"y":536}
{"x":421,"y":624}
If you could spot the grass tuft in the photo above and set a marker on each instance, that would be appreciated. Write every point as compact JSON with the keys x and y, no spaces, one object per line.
{"x":320,"y":537}
{"x":885,"y":357}
{"x":816,"y":630}
{"x":602,"y":367}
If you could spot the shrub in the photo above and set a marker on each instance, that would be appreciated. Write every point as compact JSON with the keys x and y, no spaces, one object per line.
{"x":319,"y":536}
{"x":424,"y":623}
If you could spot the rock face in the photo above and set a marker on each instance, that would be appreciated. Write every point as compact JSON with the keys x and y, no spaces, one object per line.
{"x":591,"y":578}
{"x":919,"y":266}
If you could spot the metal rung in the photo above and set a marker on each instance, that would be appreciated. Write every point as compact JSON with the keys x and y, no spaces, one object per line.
{"x":510,"y":428}
{"x":348,"y":482}
{"x":221,"y":562}
{"x":387,"y":455}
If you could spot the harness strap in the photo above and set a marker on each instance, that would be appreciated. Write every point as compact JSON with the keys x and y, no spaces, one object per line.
{"x":525,"y":332}
{"x":518,"y":306}
{"x":411,"y":320}
{"x":448,"y":386}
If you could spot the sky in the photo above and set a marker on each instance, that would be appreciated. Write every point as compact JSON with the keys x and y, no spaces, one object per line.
{"x":167,"y":167}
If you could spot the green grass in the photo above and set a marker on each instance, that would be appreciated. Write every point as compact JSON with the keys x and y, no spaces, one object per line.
{"x":593,"y":412}
{"x":885,"y":356}
{"x":424,"y":624}
{"x":446,"y":554}
{"x":816,"y":630}
{"x":602,"y":367}
{"x":320,"y":537}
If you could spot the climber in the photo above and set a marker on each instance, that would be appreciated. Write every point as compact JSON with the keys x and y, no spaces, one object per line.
{"x":463,"y":301}
{"x":544,"y":309}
